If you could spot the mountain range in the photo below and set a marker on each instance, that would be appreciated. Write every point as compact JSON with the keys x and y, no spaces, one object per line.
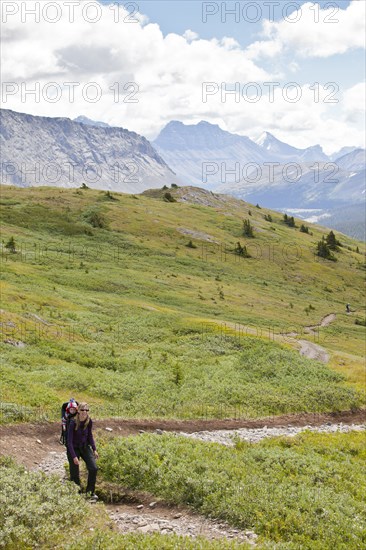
{"x":278,"y":150}
{"x":205,"y":155}
{"x":309,"y":184}
{"x":268,"y":170}
{"x":65,"y":153}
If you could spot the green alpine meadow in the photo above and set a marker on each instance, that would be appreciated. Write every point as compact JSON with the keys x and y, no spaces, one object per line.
{"x":148,"y":308}
{"x":181,"y":304}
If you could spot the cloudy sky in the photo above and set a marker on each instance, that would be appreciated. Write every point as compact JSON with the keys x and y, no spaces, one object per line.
{"x":295,"y":69}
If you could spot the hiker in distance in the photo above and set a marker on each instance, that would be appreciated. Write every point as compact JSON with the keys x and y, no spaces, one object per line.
{"x":348,"y":308}
{"x":80,"y":443}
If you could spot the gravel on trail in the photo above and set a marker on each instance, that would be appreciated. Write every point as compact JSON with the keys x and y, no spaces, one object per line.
{"x":158,"y":517}
{"x":227,"y":437}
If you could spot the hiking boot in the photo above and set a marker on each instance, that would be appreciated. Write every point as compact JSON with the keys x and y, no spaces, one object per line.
{"x":92,"y":497}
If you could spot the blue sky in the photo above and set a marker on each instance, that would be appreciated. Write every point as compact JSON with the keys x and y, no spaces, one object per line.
{"x":179,"y":15}
{"x":169,"y":54}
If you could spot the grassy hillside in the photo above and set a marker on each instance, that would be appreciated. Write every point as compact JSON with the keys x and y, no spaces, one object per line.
{"x":102,"y":298}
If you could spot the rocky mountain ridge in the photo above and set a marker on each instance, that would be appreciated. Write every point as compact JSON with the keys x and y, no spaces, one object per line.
{"x":65,"y":153}
{"x":268,"y":171}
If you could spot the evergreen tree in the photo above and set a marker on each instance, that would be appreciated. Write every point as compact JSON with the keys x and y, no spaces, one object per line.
{"x":304,"y":228}
{"x":323,"y":251}
{"x":290,"y":221}
{"x":10,"y":245}
{"x":241,"y":251}
{"x":247,"y":229}
{"x":168,"y":197}
{"x":332,"y":241}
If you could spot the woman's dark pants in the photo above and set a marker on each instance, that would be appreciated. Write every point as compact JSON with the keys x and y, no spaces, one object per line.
{"x":86,"y":453}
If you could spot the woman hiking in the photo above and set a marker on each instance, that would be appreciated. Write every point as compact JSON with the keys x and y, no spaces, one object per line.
{"x":80,"y":443}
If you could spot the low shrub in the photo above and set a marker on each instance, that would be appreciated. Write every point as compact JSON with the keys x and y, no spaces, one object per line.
{"x":305,"y":491}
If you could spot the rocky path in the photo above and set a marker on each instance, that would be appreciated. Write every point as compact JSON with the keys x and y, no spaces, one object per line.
{"x":149,"y":516}
{"x":327,"y":320}
{"x":312,"y":350}
{"x":37,"y":447}
{"x":307,"y":348}
{"x":30,"y":443}
{"x":157,"y":517}
{"x":228,"y":437}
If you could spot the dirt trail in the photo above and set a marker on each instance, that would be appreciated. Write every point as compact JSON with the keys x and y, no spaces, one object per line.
{"x":142,"y":513}
{"x":145,"y":518}
{"x":229,"y":437}
{"x":307,"y":348}
{"x":312,"y":350}
{"x":30,"y":443}
{"x":36,"y":446}
{"x":327,"y":320}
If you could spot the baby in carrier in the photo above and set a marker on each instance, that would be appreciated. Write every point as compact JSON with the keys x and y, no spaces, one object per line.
{"x":68,"y":411}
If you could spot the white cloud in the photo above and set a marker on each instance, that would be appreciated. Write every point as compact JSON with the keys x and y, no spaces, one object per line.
{"x":309,"y":121}
{"x":354,"y":104}
{"x":169,"y":71}
{"x":293,"y":67}
{"x":166,"y":74}
{"x":190,"y":35}
{"x":314,"y":32}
